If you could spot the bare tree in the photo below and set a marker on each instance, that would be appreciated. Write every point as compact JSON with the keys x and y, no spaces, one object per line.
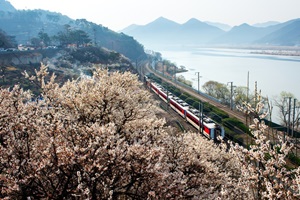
{"x":286,"y":110}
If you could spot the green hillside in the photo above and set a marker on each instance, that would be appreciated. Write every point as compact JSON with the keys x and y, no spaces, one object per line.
{"x":27,"y":24}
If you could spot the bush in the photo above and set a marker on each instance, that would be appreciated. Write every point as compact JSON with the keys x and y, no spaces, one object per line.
{"x":220,"y":113}
{"x":294,"y":159}
{"x":183,"y":97}
{"x":233,"y":122}
{"x":190,"y":101}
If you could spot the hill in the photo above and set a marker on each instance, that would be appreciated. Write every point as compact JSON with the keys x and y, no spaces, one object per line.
{"x":65,"y":63}
{"x":27,"y":24}
{"x":5,"y":6}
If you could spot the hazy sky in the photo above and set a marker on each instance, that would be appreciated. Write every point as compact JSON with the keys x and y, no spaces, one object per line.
{"x":118,"y":14}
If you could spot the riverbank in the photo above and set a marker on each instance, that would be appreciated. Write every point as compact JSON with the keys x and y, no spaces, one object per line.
{"x":278,"y":52}
{"x":267,"y":50}
{"x":273,"y":74}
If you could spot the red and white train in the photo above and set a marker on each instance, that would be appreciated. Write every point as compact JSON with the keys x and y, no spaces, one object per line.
{"x":204,"y":124}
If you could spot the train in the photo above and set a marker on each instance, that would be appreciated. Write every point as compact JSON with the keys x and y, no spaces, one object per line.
{"x":202,"y":123}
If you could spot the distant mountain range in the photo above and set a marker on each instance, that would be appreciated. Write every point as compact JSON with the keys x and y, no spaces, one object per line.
{"x":224,"y":27}
{"x":265,"y":24}
{"x":163,"y":32}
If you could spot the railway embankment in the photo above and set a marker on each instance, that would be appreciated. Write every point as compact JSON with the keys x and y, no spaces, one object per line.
{"x":236,"y":123}
{"x":233,"y":121}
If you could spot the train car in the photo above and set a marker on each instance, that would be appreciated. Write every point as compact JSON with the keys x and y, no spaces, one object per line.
{"x":193,"y":117}
{"x":207,"y":126}
{"x":181,"y":110}
{"x":163,"y":95}
{"x":154,"y":87}
{"x":160,"y":91}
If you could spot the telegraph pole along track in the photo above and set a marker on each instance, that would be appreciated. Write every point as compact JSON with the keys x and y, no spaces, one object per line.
{"x":236,"y":123}
{"x":237,"y":133}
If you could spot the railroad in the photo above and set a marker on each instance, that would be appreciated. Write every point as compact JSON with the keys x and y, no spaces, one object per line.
{"x":232,"y":113}
{"x":202,"y":123}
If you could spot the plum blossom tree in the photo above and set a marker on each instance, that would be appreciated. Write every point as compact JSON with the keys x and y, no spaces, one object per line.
{"x":264,"y":164}
{"x":75,"y":139}
{"x":99,"y":138}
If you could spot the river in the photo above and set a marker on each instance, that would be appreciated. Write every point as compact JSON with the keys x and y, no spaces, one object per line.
{"x":272,"y":73}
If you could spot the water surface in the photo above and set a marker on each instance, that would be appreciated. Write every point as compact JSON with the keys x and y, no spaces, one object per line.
{"x":272,"y":73}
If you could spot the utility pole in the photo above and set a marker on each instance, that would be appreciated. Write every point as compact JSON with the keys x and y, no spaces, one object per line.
{"x":175,"y":68}
{"x":294,"y":111}
{"x":248,"y":87}
{"x":289,"y":118}
{"x":231,"y":95}
{"x":247,"y":97}
{"x":198,"y":73}
{"x":255,"y":95}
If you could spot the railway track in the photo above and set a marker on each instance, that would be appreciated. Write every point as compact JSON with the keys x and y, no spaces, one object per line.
{"x":232,"y":113}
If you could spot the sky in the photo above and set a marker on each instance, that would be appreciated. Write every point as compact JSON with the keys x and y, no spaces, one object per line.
{"x":118,"y":14}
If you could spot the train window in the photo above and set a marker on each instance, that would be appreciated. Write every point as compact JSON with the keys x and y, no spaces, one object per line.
{"x":185,"y":104}
{"x":207,"y":120}
{"x":197,"y":114}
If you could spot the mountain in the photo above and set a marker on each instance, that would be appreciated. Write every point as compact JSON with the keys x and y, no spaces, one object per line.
{"x":288,"y":35}
{"x":266,"y":24}
{"x":162,"y":24}
{"x":156,"y":32}
{"x":164,"y":32}
{"x":199,"y":32}
{"x":27,"y":24}
{"x":160,"y":27}
{"x":129,"y":28}
{"x":5,"y":6}
{"x":224,"y":27}
{"x":246,"y":34}
{"x":243,"y":34}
